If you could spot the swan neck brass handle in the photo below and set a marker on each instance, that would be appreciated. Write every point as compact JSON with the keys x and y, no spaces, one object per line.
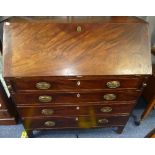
{"x":43,"y":85}
{"x":103,"y":121}
{"x":113,"y":84}
{"x":106,"y":109}
{"x":47,"y":111}
{"x":109,"y":97}
{"x":49,"y":123}
{"x":45,"y":98}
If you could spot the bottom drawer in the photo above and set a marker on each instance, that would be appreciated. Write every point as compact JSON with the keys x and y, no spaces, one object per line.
{"x":74,"y":122}
{"x":4,"y":114}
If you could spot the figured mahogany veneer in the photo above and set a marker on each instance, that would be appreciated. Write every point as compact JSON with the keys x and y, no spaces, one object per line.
{"x":75,"y":83}
{"x":58,"y":49}
{"x":75,"y":72}
{"x":76,"y":110}
{"x":74,"y":97}
{"x":74,"y":122}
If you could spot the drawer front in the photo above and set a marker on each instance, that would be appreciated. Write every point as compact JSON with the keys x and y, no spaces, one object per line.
{"x":4,"y":114}
{"x":90,"y":110}
{"x":69,"y":98}
{"x":21,"y":84}
{"x":2,"y":106}
{"x":74,"y":122}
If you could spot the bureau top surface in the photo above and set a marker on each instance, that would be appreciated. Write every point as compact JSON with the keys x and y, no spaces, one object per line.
{"x":72,"y":46}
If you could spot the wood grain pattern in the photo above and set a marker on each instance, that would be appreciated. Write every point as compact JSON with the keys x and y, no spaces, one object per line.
{"x":76,"y":110}
{"x":70,"y":122}
{"x":71,"y":83}
{"x":66,"y":51}
{"x":105,"y":48}
{"x":71,"y":97}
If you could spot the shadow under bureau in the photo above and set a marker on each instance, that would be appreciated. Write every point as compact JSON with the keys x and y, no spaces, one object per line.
{"x":75,"y":72}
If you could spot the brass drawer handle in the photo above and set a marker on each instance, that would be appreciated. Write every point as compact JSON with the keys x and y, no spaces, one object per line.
{"x":106,"y":109}
{"x":43,"y":85}
{"x":113,"y":84}
{"x":49,"y":123}
{"x":45,"y":98}
{"x":103,"y":121}
{"x":109,"y":97}
{"x":47,"y":111}
{"x":78,"y":29}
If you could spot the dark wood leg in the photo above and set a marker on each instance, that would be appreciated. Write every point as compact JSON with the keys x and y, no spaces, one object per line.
{"x":137,"y":120}
{"x":29,"y":133}
{"x":120,"y":129}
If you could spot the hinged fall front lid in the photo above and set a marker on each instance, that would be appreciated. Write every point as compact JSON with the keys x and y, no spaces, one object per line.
{"x":68,"y":46}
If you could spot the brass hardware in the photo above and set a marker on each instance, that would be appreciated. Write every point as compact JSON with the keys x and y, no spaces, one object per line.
{"x":103,"y":121}
{"x":109,"y":97}
{"x":78,"y":95}
{"x":77,"y":108}
{"x":78,"y":28}
{"x":47,"y":111}
{"x":144,"y":84}
{"x":9,"y":87}
{"x":76,"y":118}
{"x":43,"y":85}
{"x":78,"y":83}
{"x":106,"y":109}
{"x":113,"y":84}
{"x":49,"y":123}
{"x":45,"y":98}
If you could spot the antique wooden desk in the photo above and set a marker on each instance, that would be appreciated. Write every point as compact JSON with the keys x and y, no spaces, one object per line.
{"x":75,"y":72}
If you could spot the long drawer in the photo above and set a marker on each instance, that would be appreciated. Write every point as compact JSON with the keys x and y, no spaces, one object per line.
{"x":90,"y":110}
{"x":4,"y":114}
{"x":74,"y":122}
{"x":74,"y":97}
{"x":73,"y":83}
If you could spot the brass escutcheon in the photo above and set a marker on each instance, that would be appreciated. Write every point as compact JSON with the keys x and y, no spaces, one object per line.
{"x":43,"y":85}
{"x":109,"y":97}
{"x":49,"y":123}
{"x":113,"y":84}
{"x":47,"y":111}
{"x":103,"y":121}
{"x":45,"y":98}
{"x":106,"y":109}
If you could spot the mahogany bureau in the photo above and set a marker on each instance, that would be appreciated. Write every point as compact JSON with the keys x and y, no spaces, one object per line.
{"x":75,"y":72}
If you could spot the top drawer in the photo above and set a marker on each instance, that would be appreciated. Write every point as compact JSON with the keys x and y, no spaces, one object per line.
{"x":75,"y":83}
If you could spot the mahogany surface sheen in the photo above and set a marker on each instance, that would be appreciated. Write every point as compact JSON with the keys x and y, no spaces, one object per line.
{"x":76,"y":110}
{"x":104,"y":46}
{"x":75,"y":72}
